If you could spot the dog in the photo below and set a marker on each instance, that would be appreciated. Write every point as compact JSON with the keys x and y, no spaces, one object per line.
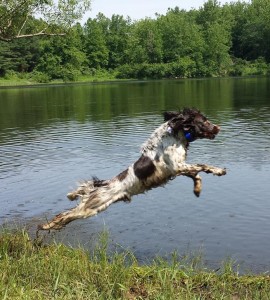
{"x":162,"y":158}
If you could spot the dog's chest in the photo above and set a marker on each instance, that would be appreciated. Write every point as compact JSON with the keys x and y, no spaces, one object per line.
{"x":175,"y":154}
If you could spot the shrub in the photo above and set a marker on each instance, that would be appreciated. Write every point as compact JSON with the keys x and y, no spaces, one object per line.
{"x":184,"y":68}
{"x":10,"y":74}
{"x":40,"y":77}
{"x":69,"y":73}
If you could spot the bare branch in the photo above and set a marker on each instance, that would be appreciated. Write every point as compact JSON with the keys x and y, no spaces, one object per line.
{"x":41,"y":33}
{"x":25,"y":20}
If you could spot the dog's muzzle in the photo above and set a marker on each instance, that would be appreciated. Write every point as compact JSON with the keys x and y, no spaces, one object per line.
{"x":212,"y":133}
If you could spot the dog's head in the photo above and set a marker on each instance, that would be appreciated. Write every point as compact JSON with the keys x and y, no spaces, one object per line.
{"x":193,"y":123}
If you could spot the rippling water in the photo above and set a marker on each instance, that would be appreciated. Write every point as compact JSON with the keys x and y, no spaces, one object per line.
{"x":52,"y":137}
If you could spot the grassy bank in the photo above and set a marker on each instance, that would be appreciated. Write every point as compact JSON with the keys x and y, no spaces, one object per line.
{"x":32,"y":270}
{"x":22,"y":79}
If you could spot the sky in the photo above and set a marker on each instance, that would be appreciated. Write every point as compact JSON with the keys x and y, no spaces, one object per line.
{"x":139,"y":9}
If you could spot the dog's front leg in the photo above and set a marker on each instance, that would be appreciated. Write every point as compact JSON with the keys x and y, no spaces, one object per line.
{"x":192,"y":171}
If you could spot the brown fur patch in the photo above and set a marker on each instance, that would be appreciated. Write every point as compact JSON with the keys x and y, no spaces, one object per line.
{"x":97,"y":182}
{"x":144,"y":167}
{"x":122,"y":175}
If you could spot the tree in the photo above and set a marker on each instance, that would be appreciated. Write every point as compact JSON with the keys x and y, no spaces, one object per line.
{"x":7,"y":61}
{"x":181,"y":36}
{"x":16,"y":17}
{"x":251,"y":33}
{"x":118,"y":32}
{"x":144,"y":42}
{"x":63,"y":57}
{"x":18,"y":56}
{"x":95,"y":44}
{"x":239,"y":12}
{"x":216,"y":22}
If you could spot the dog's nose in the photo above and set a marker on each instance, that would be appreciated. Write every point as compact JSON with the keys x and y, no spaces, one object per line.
{"x":216,"y":129}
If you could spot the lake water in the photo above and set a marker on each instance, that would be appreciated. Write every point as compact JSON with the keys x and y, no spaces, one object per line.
{"x":53,"y":136}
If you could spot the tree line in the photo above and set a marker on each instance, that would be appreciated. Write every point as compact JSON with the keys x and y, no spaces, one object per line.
{"x":214,"y":40}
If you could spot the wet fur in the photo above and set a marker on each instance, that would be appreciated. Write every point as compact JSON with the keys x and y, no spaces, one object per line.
{"x":162,"y":158}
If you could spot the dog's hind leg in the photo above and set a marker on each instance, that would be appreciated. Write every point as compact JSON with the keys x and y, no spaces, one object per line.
{"x":82,"y":211}
{"x":86,"y":187}
{"x":60,"y":220}
{"x":91,"y":204}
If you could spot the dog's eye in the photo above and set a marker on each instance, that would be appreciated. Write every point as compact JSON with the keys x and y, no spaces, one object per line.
{"x":201,"y":121}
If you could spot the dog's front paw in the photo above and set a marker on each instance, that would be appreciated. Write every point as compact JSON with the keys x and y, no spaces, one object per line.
{"x":220,"y":172}
{"x":197,"y":185}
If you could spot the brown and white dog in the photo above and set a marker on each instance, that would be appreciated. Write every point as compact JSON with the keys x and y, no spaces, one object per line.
{"x":162,"y":159}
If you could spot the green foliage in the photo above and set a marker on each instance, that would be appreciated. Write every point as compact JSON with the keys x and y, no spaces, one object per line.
{"x":183,"y":68}
{"x":216,"y":25}
{"x":63,"y":58}
{"x":142,"y":71}
{"x":144,"y":44}
{"x":117,"y":34}
{"x":95,"y":46}
{"x":181,"y":36}
{"x":19,"y":56}
{"x":16,"y":16}
{"x":39,"y":77}
{"x":214,"y":40}
{"x":251,"y":30}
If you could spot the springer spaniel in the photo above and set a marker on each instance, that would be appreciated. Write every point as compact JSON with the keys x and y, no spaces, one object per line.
{"x":162,"y":159}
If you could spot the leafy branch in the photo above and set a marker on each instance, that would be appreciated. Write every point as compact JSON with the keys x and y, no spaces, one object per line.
{"x":16,"y":17}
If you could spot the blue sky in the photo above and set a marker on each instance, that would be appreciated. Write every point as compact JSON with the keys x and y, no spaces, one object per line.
{"x":138,"y":9}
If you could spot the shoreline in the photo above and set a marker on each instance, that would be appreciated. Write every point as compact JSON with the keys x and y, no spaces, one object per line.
{"x":26,"y":84}
{"x":75,"y":239}
{"x":32,"y":269}
{"x":29,"y":84}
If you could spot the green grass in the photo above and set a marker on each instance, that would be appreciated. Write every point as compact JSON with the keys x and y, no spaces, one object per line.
{"x":31,"y":269}
{"x":23,"y":81}
{"x":81,"y":79}
{"x":20,"y":79}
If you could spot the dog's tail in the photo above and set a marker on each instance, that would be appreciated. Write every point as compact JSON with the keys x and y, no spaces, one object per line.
{"x":96,"y":195}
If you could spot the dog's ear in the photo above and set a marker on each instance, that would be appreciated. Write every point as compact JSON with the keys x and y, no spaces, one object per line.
{"x":177,"y":123}
{"x":168,"y":115}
